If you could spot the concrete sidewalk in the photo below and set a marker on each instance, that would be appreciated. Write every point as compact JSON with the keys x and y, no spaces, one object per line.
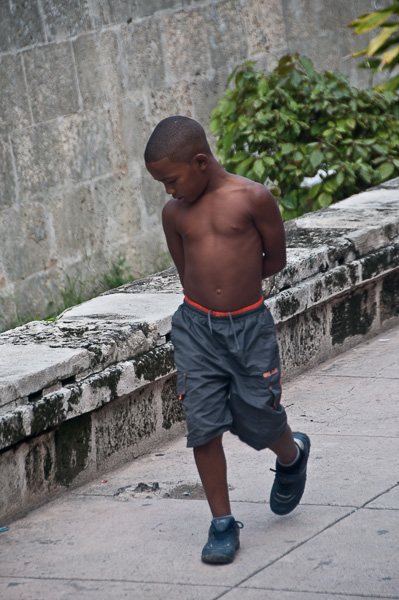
{"x":117,"y":539}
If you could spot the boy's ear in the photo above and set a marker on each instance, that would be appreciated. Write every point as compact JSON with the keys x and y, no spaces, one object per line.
{"x":201,"y":161}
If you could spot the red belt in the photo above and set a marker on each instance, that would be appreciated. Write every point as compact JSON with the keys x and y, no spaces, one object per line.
{"x":216,"y":313}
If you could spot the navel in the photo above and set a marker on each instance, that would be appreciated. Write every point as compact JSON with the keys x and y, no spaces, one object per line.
{"x":218,"y":291}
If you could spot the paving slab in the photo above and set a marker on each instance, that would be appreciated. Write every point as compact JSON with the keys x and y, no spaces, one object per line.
{"x":115,"y":539}
{"x":330,"y":562}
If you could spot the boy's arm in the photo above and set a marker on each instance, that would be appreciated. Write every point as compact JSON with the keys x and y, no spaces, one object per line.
{"x":173,"y":239}
{"x":268,"y":221}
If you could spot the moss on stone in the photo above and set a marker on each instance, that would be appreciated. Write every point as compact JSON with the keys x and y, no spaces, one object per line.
{"x":352,"y":316}
{"x":109,"y":379}
{"x":172,"y":407}
{"x":287,"y":305}
{"x":389,"y":297}
{"x":156,"y":363}
{"x":47,"y":413}
{"x":72,"y":446}
{"x":12,"y":429}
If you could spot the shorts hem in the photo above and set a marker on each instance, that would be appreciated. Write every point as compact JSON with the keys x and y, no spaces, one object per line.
{"x":205,"y":439}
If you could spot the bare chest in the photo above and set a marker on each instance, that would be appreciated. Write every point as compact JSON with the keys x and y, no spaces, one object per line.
{"x":227,"y":222}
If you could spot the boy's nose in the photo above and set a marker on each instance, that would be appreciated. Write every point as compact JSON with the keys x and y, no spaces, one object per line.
{"x":169,"y":189}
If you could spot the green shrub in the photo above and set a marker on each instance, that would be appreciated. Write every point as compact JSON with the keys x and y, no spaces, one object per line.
{"x":382,"y":53}
{"x":281,"y":127}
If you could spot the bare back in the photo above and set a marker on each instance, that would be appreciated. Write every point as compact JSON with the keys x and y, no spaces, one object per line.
{"x":225,"y":243}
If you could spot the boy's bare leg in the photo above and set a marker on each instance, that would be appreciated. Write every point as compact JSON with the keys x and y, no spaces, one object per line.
{"x":211,"y":465}
{"x":285,"y":448}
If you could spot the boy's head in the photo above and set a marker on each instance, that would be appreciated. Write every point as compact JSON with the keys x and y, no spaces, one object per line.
{"x":178,"y":155}
{"x":177,"y":138}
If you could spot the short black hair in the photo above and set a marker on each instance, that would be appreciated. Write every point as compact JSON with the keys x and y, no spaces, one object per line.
{"x":177,"y":138}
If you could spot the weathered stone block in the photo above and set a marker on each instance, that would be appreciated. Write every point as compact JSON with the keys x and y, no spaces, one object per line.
{"x":7,"y":176}
{"x":39,"y":466}
{"x":389,"y":297}
{"x":38,"y":295}
{"x":12,"y":486}
{"x":14,"y":107}
{"x":125,"y":423}
{"x":73,"y":443}
{"x":87,"y":53}
{"x":114,"y":65}
{"x":26,"y":244}
{"x":74,"y":221}
{"x":117,"y":219}
{"x":226,"y":38}
{"x":205,"y":94}
{"x":52,"y":84}
{"x":170,"y":101}
{"x":63,"y":19}
{"x":38,"y":171}
{"x":172,"y":408}
{"x":29,"y":368}
{"x":12,"y":428}
{"x":20,"y":25}
{"x":119,"y":11}
{"x":86,"y":145}
{"x":353,"y":315}
{"x":144,"y":55}
{"x":303,"y":340}
{"x":135,"y":128}
{"x":184,"y":30}
{"x":264,"y":24}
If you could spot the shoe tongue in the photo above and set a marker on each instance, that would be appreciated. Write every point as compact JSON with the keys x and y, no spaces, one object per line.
{"x":221,"y":523}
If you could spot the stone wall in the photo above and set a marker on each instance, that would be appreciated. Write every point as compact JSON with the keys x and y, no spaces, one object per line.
{"x":97,"y":387}
{"x":83,"y":84}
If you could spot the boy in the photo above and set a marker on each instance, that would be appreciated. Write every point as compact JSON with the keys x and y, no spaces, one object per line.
{"x":225,"y":234}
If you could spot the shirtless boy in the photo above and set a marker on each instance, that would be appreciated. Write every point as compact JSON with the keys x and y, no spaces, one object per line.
{"x":225,"y":235}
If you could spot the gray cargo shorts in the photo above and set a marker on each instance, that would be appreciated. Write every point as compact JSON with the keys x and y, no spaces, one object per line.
{"x":228,"y":374}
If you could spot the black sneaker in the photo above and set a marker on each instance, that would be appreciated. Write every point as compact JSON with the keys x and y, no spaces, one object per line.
{"x":288,"y":488}
{"x":223,"y":541}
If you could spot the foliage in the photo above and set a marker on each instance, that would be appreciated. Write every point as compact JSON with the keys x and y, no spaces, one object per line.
{"x":281,"y":127}
{"x":119,"y":274}
{"x":383,"y":50}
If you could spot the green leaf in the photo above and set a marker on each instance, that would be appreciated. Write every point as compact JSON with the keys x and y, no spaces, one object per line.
{"x":373,"y":19}
{"x":259,"y":168}
{"x":312,"y":193}
{"x":290,"y":201}
{"x":239,"y":156}
{"x":316,"y":158}
{"x":307,"y":65}
{"x":385,"y":170}
{"x":340,"y":177}
{"x":391,"y":85}
{"x":325,"y":199}
{"x":228,"y":140}
{"x":378,"y":41}
{"x":244,"y":166}
{"x":287,"y":148}
{"x":215,"y":124}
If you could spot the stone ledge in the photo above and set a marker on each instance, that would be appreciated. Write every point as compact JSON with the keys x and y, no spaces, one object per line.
{"x":97,"y":387}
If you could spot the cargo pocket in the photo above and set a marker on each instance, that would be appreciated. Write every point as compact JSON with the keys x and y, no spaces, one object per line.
{"x":181,"y":385}
{"x":272,"y":381}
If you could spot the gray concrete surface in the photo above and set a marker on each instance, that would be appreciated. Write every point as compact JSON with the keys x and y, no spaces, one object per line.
{"x":108,"y":539}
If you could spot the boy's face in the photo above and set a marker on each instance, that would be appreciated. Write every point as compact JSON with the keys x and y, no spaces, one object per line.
{"x":184,"y":181}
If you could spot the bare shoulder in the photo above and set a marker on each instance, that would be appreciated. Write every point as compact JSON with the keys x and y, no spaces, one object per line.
{"x":256,"y":194}
{"x":170,"y":210}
